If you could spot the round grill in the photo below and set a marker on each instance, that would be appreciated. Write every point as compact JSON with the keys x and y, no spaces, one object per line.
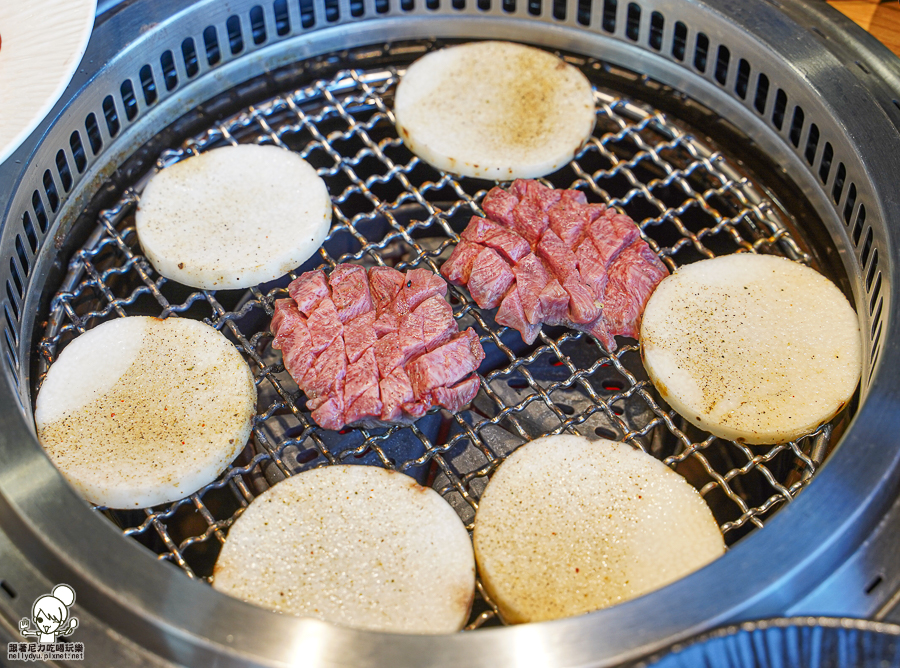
{"x":391,"y":208}
{"x":710,"y":145}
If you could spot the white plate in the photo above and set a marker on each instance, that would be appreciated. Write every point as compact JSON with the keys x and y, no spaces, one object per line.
{"x":41,"y":45}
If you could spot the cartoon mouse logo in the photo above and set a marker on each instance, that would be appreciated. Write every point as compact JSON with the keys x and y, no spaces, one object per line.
{"x":50,"y":614}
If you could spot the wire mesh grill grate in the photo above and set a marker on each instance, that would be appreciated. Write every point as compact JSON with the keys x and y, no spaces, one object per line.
{"x":392,"y":209}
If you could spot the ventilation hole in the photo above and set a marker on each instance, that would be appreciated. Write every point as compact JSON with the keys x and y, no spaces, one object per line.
{"x":876,"y":319}
{"x":23,"y":256}
{"x":170,"y":74}
{"x":9,"y":291}
{"x":701,"y":52}
{"x":862,"y":67}
{"x":838,"y":187}
{"x":872,"y":268}
{"x":609,"y":15}
{"x":867,"y":248}
{"x":679,"y":41}
{"x":584,"y":12}
{"x":129,"y":101}
{"x":657,"y":23}
{"x":877,"y":337}
{"x":257,"y":24}
{"x":10,"y":346}
{"x":62,"y":166}
{"x":857,"y":232}
{"x":485,"y":5}
{"x":812,"y":143}
{"x":189,"y":55}
{"x":13,"y":370}
{"x":148,"y":85}
{"x":39,"y":211}
{"x":12,"y":299}
{"x":282,"y":17}
{"x":28,"y":226}
{"x":235,"y":37}
{"x":211,"y":44}
{"x":779,"y":109}
{"x":848,"y":205}
{"x":5,"y":586}
{"x":559,"y":10}
{"x":50,"y":191}
{"x":112,"y":118}
{"x":618,"y":410}
{"x":633,"y":22}
{"x":382,"y":6}
{"x":77,"y":151}
{"x":517,"y":383}
{"x":10,"y":325}
{"x":873,"y":585}
{"x":612,"y":385}
{"x":332,"y":11}
{"x":30,"y":233}
{"x":307,"y":14}
{"x":565,"y":408}
{"x":796,"y":126}
{"x":762,"y":93}
{"x":876,"y":291}
{"x":357,"y":8}
{"x":93,"y":133}
{"x":722,"y":60}
{"x":534,"y":6}
{"x":508,"y":5}
{"x":825,"y":166}
{"x":608,"y":434}
{"x":743,"y":79}
{"x":16,"y":284}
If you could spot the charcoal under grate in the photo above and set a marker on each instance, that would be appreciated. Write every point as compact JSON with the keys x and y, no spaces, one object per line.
{"x":390,"y":208}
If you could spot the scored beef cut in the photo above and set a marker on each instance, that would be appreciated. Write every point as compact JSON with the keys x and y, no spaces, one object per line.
{"x":547,"y":257}
{"x":375,"y":348}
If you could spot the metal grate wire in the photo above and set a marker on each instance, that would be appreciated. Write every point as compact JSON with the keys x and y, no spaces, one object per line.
{"x":392,"y":209}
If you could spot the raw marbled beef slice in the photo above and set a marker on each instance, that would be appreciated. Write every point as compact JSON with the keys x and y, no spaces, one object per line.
{"x":350,"y":291}
{"x":490,"y":279}
{"x":459,"y":396}
{"x":308,"y":290}
{"x":507,"y":243}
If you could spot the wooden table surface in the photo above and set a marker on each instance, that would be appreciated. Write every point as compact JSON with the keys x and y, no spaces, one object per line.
{"x":881,"y":19}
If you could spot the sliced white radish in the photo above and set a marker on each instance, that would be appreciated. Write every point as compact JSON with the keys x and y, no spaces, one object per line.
{"x":494,"y":110}
{"x":354,"y":545}
{"x":139,"y":411}
{"x":566,"y":526}
{"x":233,"y":217}
{"x":755,"y":348}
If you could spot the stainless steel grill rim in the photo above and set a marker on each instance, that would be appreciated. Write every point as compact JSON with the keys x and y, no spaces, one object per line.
{"x":31,"y":518}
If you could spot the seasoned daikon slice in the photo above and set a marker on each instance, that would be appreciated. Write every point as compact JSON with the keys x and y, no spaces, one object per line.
{"x":233,"y":217}
{"x":567,"y":525}
{"x":494,"y":110}
{"x":354,"y":545}
{"x":755,"y":348}
{"x":139,"y":411}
